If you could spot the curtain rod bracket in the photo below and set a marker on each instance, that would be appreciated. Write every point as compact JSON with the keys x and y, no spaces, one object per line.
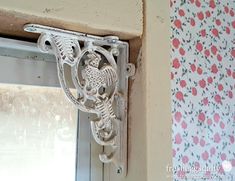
{"x":99,"y":71}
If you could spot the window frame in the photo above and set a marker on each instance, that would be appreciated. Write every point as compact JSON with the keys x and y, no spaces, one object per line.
{"x":39,"y":69}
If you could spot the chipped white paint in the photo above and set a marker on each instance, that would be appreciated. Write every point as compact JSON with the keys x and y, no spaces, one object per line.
{"x":99,"y":70}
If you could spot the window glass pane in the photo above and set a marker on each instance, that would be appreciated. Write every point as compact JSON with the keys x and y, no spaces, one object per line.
{"x":37,"y":134}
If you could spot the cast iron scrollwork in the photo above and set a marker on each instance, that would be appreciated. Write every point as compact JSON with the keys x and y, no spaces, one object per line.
{"x":94,"y":73}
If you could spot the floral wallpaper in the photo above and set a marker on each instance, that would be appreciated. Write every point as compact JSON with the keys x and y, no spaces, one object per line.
{"x":203,"y":89}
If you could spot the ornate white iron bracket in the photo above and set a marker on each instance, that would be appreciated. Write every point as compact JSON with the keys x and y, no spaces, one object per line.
{"x":99,"y":71}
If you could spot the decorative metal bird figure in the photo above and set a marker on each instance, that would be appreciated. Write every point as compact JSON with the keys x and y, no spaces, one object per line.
{"x":95,"y":78}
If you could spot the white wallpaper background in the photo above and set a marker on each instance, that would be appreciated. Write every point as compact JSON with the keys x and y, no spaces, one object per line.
{"x":203,"y":89}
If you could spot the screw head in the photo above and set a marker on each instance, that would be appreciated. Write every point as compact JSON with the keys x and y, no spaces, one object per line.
{"x":111,"y":39}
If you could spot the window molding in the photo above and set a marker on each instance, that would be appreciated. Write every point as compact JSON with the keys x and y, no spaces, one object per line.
{"x":22,"y":63}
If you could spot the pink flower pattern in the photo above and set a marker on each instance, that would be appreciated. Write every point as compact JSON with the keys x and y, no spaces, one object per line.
{"x":203,"y":86}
